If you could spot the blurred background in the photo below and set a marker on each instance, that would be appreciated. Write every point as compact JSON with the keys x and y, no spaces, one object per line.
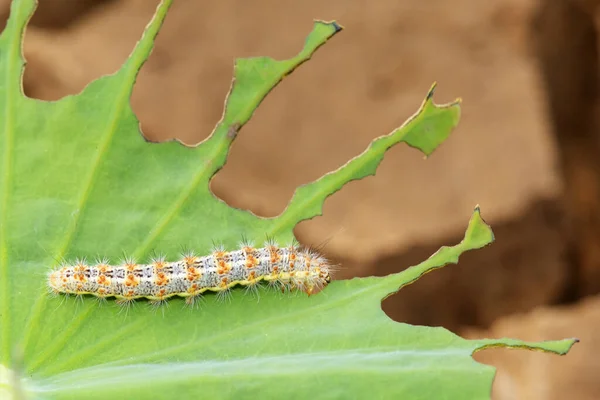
{"x":527,"y":148}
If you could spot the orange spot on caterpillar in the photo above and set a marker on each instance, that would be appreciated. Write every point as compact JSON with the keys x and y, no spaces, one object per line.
{"x":190,"y":261}
{"x":219,"y":254}
{"x":103,"y":281}
{"x":252,"y":276}
{"x":161,"y":279}
{"x":193,"y":289}
{"x":130,"y":266}
{"x":223,"y":268}
{"x":224,"y":282}
{"x":131,"y":280}
{"x":251,"y":261}
{"x":193,"y":274}
{"x":274,"y":253}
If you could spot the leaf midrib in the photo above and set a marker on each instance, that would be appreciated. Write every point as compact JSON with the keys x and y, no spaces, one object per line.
{"x":212,"y":366}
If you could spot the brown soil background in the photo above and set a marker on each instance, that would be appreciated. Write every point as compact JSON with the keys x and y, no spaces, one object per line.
{"x":362,"y":84}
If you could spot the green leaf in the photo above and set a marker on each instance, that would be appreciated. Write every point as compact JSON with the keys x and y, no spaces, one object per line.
{"x":77,"y":179}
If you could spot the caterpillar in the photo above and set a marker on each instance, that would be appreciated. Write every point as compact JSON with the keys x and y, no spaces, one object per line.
{"x":291,"y":267}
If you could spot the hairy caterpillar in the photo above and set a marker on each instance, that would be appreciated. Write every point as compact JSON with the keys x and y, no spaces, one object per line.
{"x":291,"y":267}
